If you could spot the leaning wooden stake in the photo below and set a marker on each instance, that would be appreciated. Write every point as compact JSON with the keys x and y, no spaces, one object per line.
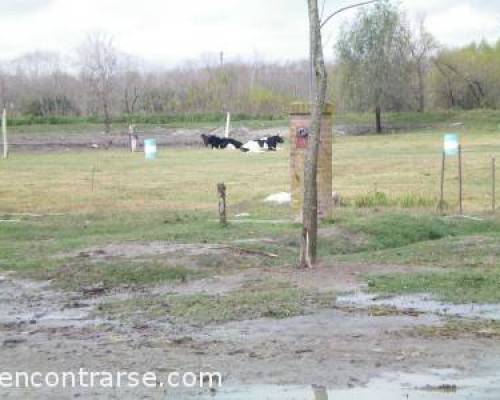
{"x":493,"y":185}
{"x":221,"y":190}
{"x":441,"y":194}
{"x":132,"y":138}
{"x":460,"y":181}
{"x":4,"y":134}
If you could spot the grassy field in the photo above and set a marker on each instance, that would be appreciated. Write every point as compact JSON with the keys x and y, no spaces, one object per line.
{"x":54,"y":206}
{"x":391,"y":170}
{"x":482,"y":120}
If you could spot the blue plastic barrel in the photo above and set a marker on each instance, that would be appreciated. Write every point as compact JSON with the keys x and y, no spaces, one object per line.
{"x":150,"y":149}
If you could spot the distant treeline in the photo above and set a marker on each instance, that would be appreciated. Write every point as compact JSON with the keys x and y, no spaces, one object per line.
{"x":107,"y":86}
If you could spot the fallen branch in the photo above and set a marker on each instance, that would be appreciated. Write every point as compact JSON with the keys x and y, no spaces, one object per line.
{"x":257,"y":221}
{"x":250,"y":251}
{"x":93,"y":290}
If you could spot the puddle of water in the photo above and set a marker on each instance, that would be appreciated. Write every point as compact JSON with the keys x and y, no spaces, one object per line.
{"x":394,"y":386}
{"x":422,"y":303}
{"x":29,"y":302}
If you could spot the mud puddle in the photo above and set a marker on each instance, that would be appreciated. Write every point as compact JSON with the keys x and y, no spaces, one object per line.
{"x":437,"y":385}
{"x":421,"y":303}
{"x":34,"y":303}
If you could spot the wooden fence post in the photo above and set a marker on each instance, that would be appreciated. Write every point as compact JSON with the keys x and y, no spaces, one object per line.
{"x":4,"y":134}
{"x":441,"y":194}
{"x":493,"y":185}
{"x":221,"y":190}
{"x":460,"y":181}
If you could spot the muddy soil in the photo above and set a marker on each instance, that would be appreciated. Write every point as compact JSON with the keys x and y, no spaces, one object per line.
{"x":165,"y":137}
{"x":343,"y":348}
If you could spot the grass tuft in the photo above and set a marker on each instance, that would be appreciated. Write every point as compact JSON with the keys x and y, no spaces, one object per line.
{"x":381,"y":199}
{"x":458,"y":286}
{"x":269,"y":301}
{"x":124,"y":273}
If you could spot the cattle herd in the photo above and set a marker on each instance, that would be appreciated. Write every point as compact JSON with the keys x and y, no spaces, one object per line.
{"x":254,"y":146}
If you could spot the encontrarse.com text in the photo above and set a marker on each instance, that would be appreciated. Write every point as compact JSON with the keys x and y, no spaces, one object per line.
{"x":93,"y":379}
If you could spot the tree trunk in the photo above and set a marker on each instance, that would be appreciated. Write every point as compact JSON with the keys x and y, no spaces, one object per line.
{"x":421,"y":91}
{"x":107,"y":117}
{"x":310,"y":208}
{"x":125,"y":100}
{"x":378,"y":119}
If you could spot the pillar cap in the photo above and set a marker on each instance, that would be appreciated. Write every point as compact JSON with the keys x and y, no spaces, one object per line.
{"x":302,"y":108}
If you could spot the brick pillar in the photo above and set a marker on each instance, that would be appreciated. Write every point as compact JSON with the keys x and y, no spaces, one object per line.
{"x":300,"y":122}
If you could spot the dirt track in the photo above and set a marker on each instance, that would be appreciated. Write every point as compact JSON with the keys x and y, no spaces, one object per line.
{"x":171,"y":137}
{"x":98,"y":140}
{"x":46,"y":330}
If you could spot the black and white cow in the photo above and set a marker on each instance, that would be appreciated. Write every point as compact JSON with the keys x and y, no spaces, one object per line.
{"x":262,"y":144}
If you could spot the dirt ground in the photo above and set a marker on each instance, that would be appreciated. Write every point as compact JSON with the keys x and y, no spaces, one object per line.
{"x":170,"y":137}
{"x":42,"y":329}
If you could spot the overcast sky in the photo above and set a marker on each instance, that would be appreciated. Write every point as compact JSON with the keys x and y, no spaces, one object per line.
{"x":172,"y":31}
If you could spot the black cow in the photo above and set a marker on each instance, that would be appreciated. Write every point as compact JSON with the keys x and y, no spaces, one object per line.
{"x":205,"y":139}
{"x":212,"y":140}
{"x":272,"y":142}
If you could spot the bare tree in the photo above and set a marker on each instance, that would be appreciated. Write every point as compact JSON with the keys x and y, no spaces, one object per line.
{"x":99,"y":64}
{"x":131,"y":82}
{"x":3,"y":88}
{"x":422,"y":45}
{"x":308,"y":246}
{"x":319,"y":83}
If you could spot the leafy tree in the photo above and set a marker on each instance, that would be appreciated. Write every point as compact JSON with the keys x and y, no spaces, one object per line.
{"x":467,"y":77}
{"x":374,"y":57}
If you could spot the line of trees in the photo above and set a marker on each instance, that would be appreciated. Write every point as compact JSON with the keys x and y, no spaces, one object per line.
{"x":386,"y":63}
{"x":102,"y":81}
{"x":382,"y":63}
